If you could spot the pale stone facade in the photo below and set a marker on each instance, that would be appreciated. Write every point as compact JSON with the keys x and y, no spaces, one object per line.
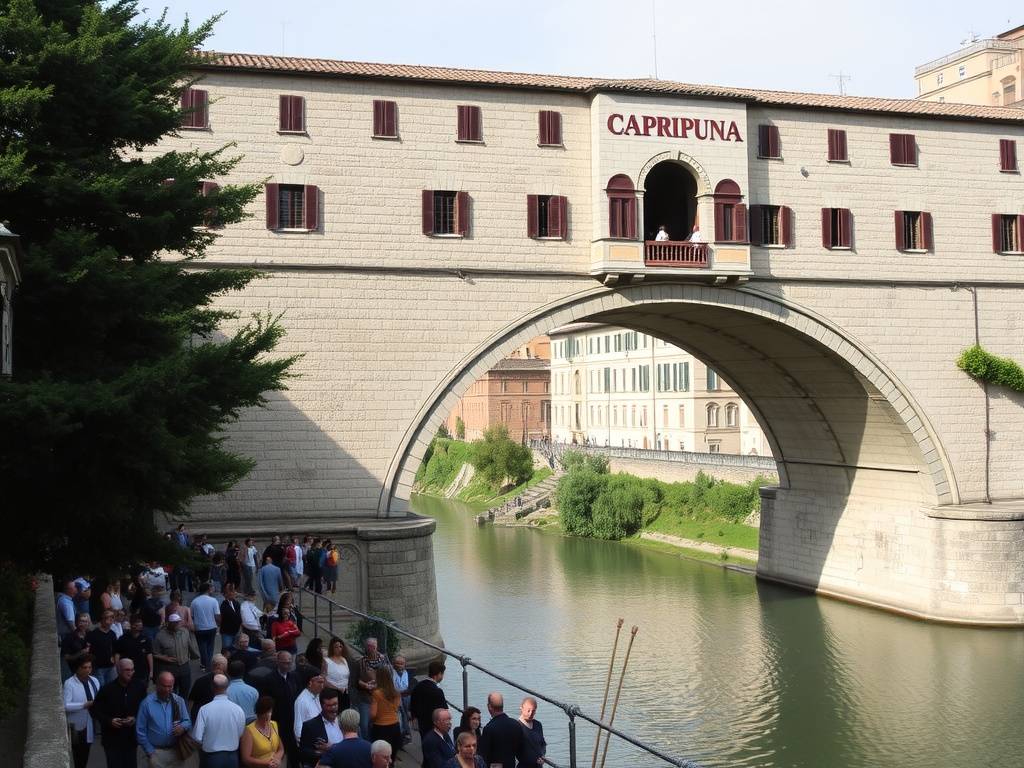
{"x":984,"y":72}
{"x":514,"y":393}
{"x":846,"y":356}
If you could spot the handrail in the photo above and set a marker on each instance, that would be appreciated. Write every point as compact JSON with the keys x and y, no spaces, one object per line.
{"x":970,"y":50}
{"x":571,"y":710}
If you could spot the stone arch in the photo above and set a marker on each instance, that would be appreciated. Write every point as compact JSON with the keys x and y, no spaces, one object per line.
{"x":686,"y":161}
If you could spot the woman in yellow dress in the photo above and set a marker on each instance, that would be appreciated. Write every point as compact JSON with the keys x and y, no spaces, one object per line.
{"x":261,"y":745}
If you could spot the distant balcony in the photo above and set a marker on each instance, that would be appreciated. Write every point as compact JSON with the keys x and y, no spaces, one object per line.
{"x":675,"y":253}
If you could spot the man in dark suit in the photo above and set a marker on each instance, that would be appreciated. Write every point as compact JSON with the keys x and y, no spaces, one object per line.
{"x":502,"y":738}
{"x":283,"y":685}
{"x":201,"y":692}
{"x":437,"y":745}
{"x":321,"y":732}
{"x":426,"y":697}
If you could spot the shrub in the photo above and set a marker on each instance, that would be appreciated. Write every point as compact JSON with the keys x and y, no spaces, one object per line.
{"x":985,"y":366}
{"x":618,"y":509}
{"x":575,"y":499}
{"x":499,"y":460}
{"x":578,"y":459}
{"x":460,"y":428}
{"x":442,"y":431}
{"x":390,"y":641}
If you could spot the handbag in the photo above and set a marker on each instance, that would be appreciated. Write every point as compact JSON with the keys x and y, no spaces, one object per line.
{"x":184,"y":744}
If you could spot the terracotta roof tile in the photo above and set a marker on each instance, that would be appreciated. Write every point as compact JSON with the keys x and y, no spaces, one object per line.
{"x":355,"y":69}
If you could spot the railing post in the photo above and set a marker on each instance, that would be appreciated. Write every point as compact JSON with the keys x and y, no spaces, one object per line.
{"x":465,"y":683}
{"x":316,"y":616}
{"x":330,"y":618}
{"x":572,"y":740}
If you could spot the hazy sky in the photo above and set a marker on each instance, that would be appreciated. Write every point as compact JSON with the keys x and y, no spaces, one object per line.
{"x":786,"y":45}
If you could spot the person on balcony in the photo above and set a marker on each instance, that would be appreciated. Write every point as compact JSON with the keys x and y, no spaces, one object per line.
{"x":662,"y":235}
{"x":696,"y":236}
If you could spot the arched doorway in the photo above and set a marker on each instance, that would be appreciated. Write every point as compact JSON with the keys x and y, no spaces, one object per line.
{"x":670,"y":200}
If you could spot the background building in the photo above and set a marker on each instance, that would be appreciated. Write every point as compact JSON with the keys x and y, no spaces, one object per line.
{"x":985,"y":72}
{"x":614,"y":386}
{"x":10,"y":277}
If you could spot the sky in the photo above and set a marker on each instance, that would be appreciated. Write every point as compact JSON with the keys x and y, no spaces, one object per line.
{"x":783,"y":45}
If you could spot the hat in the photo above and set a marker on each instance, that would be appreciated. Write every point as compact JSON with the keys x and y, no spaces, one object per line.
{"x":173,"y":617}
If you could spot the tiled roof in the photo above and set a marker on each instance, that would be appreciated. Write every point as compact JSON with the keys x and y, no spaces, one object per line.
{"x":406,"y":72}
{"x":522,"y":364}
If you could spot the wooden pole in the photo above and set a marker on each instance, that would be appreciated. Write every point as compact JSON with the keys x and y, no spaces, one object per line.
{"x":607,"y":686}
{"x":615,"y":704}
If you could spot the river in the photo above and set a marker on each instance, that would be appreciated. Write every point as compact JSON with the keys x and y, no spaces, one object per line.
{"x":725,"y":671}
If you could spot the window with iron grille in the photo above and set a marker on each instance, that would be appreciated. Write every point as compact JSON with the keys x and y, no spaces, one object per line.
{"x":913,"y":232}
{"x":444,"y":213}
{"x":290,"y":206}
{"x":771,"y":225}
{"x":1007,"y":231}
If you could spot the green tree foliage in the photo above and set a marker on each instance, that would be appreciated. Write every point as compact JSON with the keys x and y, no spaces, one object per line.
{"x":124,"y":378}
{"x":984,"y":366}
{"x":442,"y":462}
{"x":576,"y":459}
{"x":460,"y":428}
{"x":501,"y":461}
{"x":577,"y":492}
{"x":388,"y":640}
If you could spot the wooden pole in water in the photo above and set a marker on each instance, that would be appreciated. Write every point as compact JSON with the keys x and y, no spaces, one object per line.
{"x":607,"y":686}
{"x":615,"y":704}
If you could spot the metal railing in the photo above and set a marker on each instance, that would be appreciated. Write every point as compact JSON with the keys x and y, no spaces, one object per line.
{"x":745,"y":461}
{"x":970,"y":50}
{"x":672,"y":253}
{"x":572,"y":712}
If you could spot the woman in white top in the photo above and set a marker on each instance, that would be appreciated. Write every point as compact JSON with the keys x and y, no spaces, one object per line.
{"x":337,"y":673}
{"x":111,"y":598}
{"x":79,"y":693}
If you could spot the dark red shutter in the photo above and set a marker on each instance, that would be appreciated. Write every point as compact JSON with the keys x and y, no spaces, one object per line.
{"x":384,"y":118}
{"x":554,"y":216}
{"x":563,"y":216}
{"x":390,"y":118}
{"x":378,"y":118}
{"x":543,"y":127}
{"x":826,"y":227}
{"x":845,"y":228}
{"x":469,"y":123}
{"x":841,"y":151}
{"x":555,"y":129}
{"x":786,"y":226}
{"x":926,"y":231}
{"x":719,"y":222}
{"x":898,"y":218}
{"x":462,"y":213}
{"x":463,"y":129}
{"x":311,"y":207}
{"x":199,"y":103}
{"x":475,"y":129}
{"x":532,"y":216}
{"x":739,"y":223}
{"x":428,"y":211}
{"x":832,"y":144}
{"x":837,"y":145}
{"x":1007,"y":155}
{"x":997,"y":233}
{"x":773,"y":135}
{"x":762,"y":141}
{"x":186,"y":106}
{"x":630,"y":218}
{"x":284,"y":116}
{"x":1020,"y":233}
{"x":895,"y":149}
{"x":756,"y":226}
{"x":273,"y":210}
{"x":910,"y":149}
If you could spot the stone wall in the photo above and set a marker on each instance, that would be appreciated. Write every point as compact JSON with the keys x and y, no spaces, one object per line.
{"x":46,"y":744}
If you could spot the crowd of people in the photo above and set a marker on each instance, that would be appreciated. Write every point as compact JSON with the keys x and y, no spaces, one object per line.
{"x":128,"y":656}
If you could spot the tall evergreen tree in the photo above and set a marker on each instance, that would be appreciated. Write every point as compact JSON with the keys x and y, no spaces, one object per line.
{"x":121,"y":390}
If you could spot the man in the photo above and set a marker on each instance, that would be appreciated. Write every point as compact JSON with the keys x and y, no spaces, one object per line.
{"x":275,"y":552}
{"x":101,"y":645}
{"x":83,"y":594}
{"x":368,"y":665}
{"x":219,"y":728}
{"x":66,"y":609}
{"x":75,"y":645}
{"x":351,"y":751}
{"x":270,"y":580}
{"x":534,"y":745}
{"x":401,"y":678}
{"x":248,"y":556}
{"x":380,"y":754}
{"x":240,"y":692}
{"x":230,"y":618}
{"x":502,"y":738}
{"x":243,"y":652}
{"x":115,"y":707}
{"x":153,"y":613}
{"x":437,"y":746}
{"x":313,"y":572}
{"x":283,"y":685}
{"x":162,"y":718}
{"x":307,"y":703}
{"x":662,"y":235}
{"x":173,"y":648}
{"x":206,"y":620}
{"x":322,"y":731}
{"x":201,"y":692}
{"x":136,"y":646}
{"x":250,"y":615}
{"x":427,"y":696}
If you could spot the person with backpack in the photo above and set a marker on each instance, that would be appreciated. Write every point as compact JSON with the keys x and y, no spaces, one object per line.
{"x":329,"y":568}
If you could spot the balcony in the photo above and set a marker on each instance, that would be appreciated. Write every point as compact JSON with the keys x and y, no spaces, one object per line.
{"x":616,"y":260}
{"x":675,"y":253}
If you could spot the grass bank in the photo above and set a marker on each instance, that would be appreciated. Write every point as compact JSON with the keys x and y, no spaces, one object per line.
{"x":723,"y":532}
{"x":694,"y":554}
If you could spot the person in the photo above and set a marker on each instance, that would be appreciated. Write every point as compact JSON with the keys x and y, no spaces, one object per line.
{"x":66,"y":609}
{"x":380,"y":754}
{"x":534,"y":746}
{"x":292,"y":553}
{"x":315,"y":653}
{"x":175,"y":605}
{"x":320,"y":732}
{"x":385,"y":722}
{"x":662,"y":235}
{"x":270,"y":580}
{"x":79,"y":697}
{"x":75,"y":645}
{"x":330,"y":559}
{"x":173,"y":649}
{"x":136,"y":646}
{"x":465,"y":752}
{"x":115,"y":708}
{"x":696,"y":236}
{"x":470,"y":722}
{"x":153,"y":612}
{"x":230,"y":618}
{"x":111,"y":599}
{"x":201,"y":692}
{"x":261,"y":745}
{"x":352,"y":751}
{"x":502,"y":737}
{"x":83,"y":594}
{"x":120,"y":625}
{"x":427,"y":696}
{"x":284,"y":630}
{"x":437,"y":746}
{"x":313,"y":573}
{"x":250,"y":615}
{"x":307,"y":703}
{"x":219,"y":728}
{"x":249,"y":556}
{"x":162,"y":719}
{"x":206,"y":618}
{"x":243,"y":652}
{"x":240,"y":692}
{"x":283,"y":685}
{"x":101,"y":645}
{"x":337,"y":669}
{"x":232,"y":552}
{"x":218,"y":571}
{"x":367,"y":681}
{"x":402,"y":685}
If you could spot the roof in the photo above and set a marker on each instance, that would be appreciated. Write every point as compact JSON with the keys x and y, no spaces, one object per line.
{"x":247,"y":62}
{"x":522,"y":364}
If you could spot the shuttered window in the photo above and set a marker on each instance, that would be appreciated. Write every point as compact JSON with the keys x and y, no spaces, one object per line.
{"x":837,"y":146}
{"x":291,"y":114}
{"x":771,"y":225}
{"x":445,"y":212}
{"x":621,"y":207}
{"x":730,"y":213}
{"x":836,"y":228}
{"x":469,"y":123}
{"x":550,"y":128}
{"x":385,"y":119}
{"x":913,"y":231}
{"x":902,"y":149}
{"x":293,"y":206}
{"x":546,"y":216}
{"x":211,"y":219}
{"x":194,"y":105}
{"x":1007,"y":231}
{"x":768,"y":142}
{"x":1008,"y":156}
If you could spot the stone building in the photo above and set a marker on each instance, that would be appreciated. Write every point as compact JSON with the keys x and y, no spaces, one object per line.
{"x":515,"y":392}
{"x":10,"y":278}
{"x":985,"y":71}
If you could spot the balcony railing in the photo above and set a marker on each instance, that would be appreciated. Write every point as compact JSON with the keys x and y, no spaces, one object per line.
{"x":675,"y":253}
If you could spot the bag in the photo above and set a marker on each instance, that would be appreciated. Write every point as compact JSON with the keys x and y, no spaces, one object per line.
{"x":77,"y":737}
{"x":184,"y":745}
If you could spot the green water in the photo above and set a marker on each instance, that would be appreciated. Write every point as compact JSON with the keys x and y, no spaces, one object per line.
{"x":724,"y":671}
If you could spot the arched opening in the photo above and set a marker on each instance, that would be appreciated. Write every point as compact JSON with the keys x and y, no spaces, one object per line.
{"x":670,"y":201}
{"x":621,"y":207}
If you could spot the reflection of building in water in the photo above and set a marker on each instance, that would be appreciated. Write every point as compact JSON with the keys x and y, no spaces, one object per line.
{"x":613,"y":386}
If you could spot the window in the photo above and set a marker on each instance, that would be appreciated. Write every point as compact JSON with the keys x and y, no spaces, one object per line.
{"x":714,"y":446}
{"x":504,"y":387}
{"x":962,"y":70}
{"x":712,"y":380}
{"x":684,"y":376}
{"x":385,"y":119}
{"x":730,"y":213}
{"x":293,"y":206}
{"x":682,"y":418}
{"x":291,"y":114}
{"x":837,"y":146}
{"x":732,"y":415}
{"x":211,"y":219}
{"x":771,"y":225}
{"x":643,"y":416}
{"x":835,"y":228}
{"x":194,"y":103}
{"x":445,"y":213}
{"x":632,"y":416}
{"x":1008,"y":156}
{"x":546,"y":216}
{"x":902,"y":149}
{"x":550,"y":128}
{"x":645,"y":378}
{"x":712,"y":412}
{"x":768,"y":142}
{"x":607,"y":343}
{"x":526,"y":386}
{"x":913,"y":231}
{"x":618,"y":342}
{"x":939,"y":78}
{"x":1006,"y":233}
{"x":621,"y":207}
{"x":469,"y":123}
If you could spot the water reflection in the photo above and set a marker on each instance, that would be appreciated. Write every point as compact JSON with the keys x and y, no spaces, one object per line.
{"x":725,"y":671}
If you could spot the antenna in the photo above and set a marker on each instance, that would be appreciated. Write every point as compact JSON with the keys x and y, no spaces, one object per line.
{"x":654,"y":35}
{"x":842,"y":78}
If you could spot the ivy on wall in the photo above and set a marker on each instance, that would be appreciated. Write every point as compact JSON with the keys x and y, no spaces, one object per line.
{"x":984,"y":366}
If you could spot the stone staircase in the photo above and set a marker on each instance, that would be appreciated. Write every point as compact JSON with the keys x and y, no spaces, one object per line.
{"x":534,"y":498}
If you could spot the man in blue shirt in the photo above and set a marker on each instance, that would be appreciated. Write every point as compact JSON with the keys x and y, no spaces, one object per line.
{"x":351,"y":751}
{"x":66,"y":609}
{"x":162,"y":717}
{"x":271,"y":582}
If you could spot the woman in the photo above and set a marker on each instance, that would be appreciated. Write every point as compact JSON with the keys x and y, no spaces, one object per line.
{"x":337,"y":671}
{"x":234,"y":568}
{"x":284,"y":632}
{"x":288,"y":599}
{"x":79,"y":692}
{"x":111,"y":599}
{"x":465,"y":752}
{"x":329,"y":566}
{"x":384,"y":710}
{"x":470,"y":723}
{"x":261,"y":745}
{"x":176,"y":606}
{"x":315,"y":654}
{"x":218,"y":572}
